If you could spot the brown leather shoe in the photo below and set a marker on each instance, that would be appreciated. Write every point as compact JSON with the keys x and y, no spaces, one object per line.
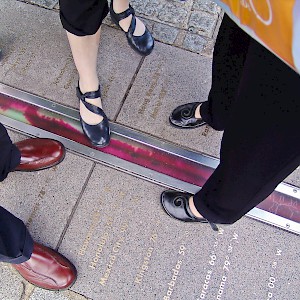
{"x":38,"y":154}
{"x":47,"y":269}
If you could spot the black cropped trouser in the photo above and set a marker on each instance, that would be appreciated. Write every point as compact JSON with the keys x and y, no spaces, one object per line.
{"x":82,"y":17}
{"x":16,"y":244}
{"x":255,"y":99}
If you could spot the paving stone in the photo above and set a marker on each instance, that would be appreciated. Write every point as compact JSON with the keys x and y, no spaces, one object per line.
{"x":173,"y":14}
{"x":44,"y":3}
{"x":37,"y":57}
{"x":126,"y":247}
{"x":40,"y":294}
{"x":164,"y":33}
{"x":195,"y":43}
{"x":208,"y":6}
{"x":170,"y":77}
{"x":294,"y":178}
{"x":148,"y":7}
{"x":56,"y":7}
{"x":202,"y":23}
{"x":149,"y":24}
{"x":12,"y":286}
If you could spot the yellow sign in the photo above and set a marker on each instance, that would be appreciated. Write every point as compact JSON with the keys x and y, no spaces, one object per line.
{"x":273,"y":23}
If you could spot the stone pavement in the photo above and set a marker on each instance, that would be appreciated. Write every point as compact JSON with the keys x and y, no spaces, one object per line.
{"x":190,"y":25}
{"x":109,"y":223}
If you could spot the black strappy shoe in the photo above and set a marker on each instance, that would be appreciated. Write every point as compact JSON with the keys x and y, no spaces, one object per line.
{"x":176,"y":205}
{"x":142,"y":44}
{"x":183,"y":116}
{"x":98,"y":134}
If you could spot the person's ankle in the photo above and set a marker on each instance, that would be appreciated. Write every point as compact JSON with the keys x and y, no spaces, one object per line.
{"x":120,"y":5}
{"x":88,"y":86}
{"x":197,"y":112}
{"x":193,"y":208}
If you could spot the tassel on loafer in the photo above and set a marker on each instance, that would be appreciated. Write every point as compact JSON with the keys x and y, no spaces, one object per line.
{"x":176,"y":205}
{"x":98,"y":134}
{"x":183,"y":116}
{"x":142,"y":44}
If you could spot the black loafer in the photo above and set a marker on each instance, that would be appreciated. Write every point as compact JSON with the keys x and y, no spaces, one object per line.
{"x":176,"y":205}
{"x":98,"y":134}
{"x":142,"y":44}
{"x":183,"y":116}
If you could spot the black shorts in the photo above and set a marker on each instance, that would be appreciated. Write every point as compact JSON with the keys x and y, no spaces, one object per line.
{"x":82,"y":17}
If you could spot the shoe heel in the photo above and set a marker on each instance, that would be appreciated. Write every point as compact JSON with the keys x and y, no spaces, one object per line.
{"x":214,"y":226}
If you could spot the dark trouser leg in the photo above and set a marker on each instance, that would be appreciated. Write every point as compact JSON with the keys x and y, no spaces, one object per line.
{"x":16,"y":244}
{"x":229,"y":56}
{"x":82,"y":17}
{"x":9,"y":154}
{"x":261,"y":141}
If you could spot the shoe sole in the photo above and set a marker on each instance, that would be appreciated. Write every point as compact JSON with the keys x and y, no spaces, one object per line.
{"x":186,"y":127}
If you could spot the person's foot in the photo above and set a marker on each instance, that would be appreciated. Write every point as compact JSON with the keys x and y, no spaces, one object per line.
{"x":94,"y":121}
{"x":47,"y":269}
{"x":138,"y":36}
{"x":38,"y":154}
{"x":88,"y":116}
{"x":187,"y":116}
{"x":177,"y":205}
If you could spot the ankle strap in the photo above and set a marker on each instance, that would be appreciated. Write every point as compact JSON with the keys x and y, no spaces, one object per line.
{"x":90,"y":95}
{"x":129,"y":11}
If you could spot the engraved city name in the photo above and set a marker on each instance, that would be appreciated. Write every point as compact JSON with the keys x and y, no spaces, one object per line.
{"x":150,"y":91}
{"x":175,"y":273}
{"x":147,"y":257}
{"x":144,"y":267}
{"x":113,"y":256}
{"x":90,"y":232}
{"x":271,"y":284}
{"x":226,"y":265}
{"x":101,"y":244}
{"x":212,"y":263}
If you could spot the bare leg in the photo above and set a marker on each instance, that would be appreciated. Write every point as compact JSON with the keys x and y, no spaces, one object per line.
{"x":197,"y":112}
{"x":85,"y":53}
{"x":193,"y":208}
{"x":120,"y":6}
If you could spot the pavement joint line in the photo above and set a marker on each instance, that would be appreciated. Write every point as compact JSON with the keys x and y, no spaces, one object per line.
{"x":129,"y":88}
{"x":75,"y":207}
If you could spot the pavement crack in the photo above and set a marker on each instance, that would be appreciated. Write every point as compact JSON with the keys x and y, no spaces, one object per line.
{"x":75,"y":207}
{"x":129,"y":88}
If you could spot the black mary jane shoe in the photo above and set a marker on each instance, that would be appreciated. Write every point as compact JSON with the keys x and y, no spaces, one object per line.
{"x":142,"y":44}
{"x":98,"y":134}
{"x":183,"y":116}
{"x":176,"y":205}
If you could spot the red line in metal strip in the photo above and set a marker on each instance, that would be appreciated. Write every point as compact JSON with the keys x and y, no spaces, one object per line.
{"x":144,"y":155}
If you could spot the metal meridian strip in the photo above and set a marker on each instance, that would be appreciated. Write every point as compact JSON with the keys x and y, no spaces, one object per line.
{"x":136,"y":153}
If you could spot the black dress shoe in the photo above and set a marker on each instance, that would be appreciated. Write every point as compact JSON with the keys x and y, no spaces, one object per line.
{"x":176,"y":205}
{"x":98,"y":134}
{"x":183,"y":116}
{"x":142,"y":44}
